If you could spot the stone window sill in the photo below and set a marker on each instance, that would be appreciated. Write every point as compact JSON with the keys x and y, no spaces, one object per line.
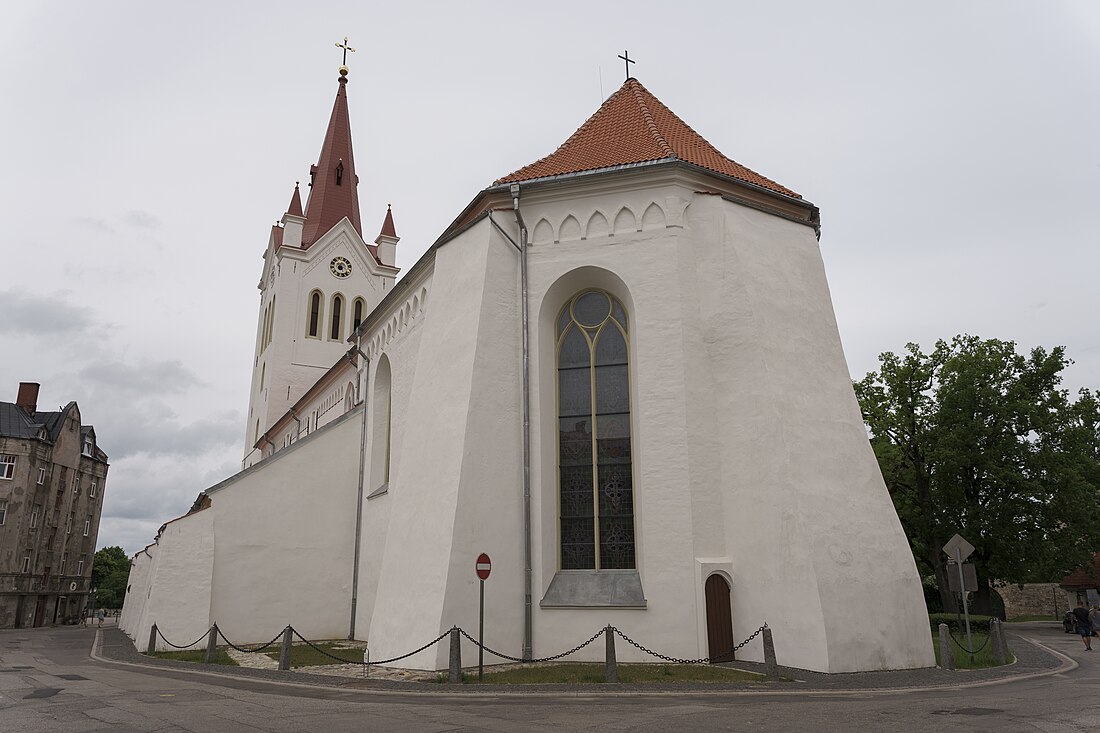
{"x":594,"y":589}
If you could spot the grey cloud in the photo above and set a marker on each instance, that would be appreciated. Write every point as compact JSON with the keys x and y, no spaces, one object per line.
{"x":142,"y":219}
{"x":32,"y":314}
{"x":93,"y":223}
{"x":152,"y":378}
{"x":139,"y":430}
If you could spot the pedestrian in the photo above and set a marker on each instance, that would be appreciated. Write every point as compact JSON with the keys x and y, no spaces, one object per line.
{"x":102,"y":614}
{"x":84,"y":617}
{"x":1084,"y":625}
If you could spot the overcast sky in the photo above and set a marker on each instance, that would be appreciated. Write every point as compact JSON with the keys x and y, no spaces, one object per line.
{"x":953,"y":148}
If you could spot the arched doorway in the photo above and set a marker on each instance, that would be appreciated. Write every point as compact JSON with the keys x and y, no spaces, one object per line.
{"x":719,"y":620}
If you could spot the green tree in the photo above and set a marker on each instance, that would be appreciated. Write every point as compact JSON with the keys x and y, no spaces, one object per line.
{"x":110,"y":573}
{"x":978,"y":439}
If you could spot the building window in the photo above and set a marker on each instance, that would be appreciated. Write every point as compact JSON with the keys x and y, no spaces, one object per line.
{"x":61,"y":568}
{"x":89,"y":447}
{"x":69,"y":524}
{"x":80,"y":565}
{"x":357,"y":309}
{"x":263,"y":375}
{"x":7,"y":467}
{"x":314,"y":328}
{"x":337,"y":308}
{"x":76,"y":483}
{"x":34,"y":515}
{"x":92,"y":488}
{"x":383,"y":422}
{"x":596,"y":497}
{"x":27,"y":562}
{"x":87,"y":524}
{"x":3,"y":511}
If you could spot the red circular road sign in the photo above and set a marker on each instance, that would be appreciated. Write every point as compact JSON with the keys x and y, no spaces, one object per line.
{"x":483,"y":566}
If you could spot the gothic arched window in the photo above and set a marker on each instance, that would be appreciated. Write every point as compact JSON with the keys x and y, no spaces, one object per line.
{"x":314,"y":314}
{"x":337,"y":307}
{"x":596,"y":497}
{"x":357,"y":313}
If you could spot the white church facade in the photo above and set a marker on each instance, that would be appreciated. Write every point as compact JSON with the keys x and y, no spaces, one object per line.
{"x":618,"y":373}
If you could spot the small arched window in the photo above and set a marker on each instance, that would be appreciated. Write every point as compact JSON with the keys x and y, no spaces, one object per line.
{"x":595,"y":491}
{"x":314,"y":328}
{"x":337,"y":308}
{"x":357,"y":313}
{"x":271,"y":320}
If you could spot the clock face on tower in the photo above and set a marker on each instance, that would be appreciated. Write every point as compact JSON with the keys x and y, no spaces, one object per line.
{"x":340,"y":267}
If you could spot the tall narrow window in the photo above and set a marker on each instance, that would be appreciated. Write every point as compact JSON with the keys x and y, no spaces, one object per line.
{"x":34,"y":515}
{"x":357,"y":313}
{"x":337,"y":312}
{"x":92,"y":489}
{"x":596,"y":497}
{"x":80,"y":564}
{"x":381,"y":438}
{"x":87,"y":524}
{"x":314,"y":314}
{"x":41,"y":475}
{"x":271,"y":321}
{"x":7,"y":467}
{"x":3,"y":511}
{"x":263,"y":375}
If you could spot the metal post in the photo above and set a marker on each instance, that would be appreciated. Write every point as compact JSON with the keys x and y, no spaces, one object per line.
{"x":211,"y":644}
{"x":284,"y":651}
{"x":947,"y":658}
{"x":454,"y":672}
{"x":152,"y":640}
{"x":771,"y":667}
{"x":966,"y":607}
{"x":611,"y":667}
{"x":481,"y":634}
{"x":997,"y":639}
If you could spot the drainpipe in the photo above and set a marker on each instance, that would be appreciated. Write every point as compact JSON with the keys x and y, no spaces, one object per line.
{"x":527,"y":621}
{"x":360,"y":394}
{"x":298,"y":425}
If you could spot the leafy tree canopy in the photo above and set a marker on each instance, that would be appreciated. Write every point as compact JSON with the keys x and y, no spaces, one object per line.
{"x":110,"y":573}
{"x":978,"y":439}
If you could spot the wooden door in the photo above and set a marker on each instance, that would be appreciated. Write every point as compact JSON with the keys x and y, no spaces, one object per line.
{"x":719,"y":620}
{"x":40,"y":611}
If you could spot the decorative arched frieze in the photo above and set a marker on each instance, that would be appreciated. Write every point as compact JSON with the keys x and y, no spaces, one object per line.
{"x":543,"y":233}
{"x":625,"y":221}
{"x":653,"y":218}
{"x":597,"y":226}
{"x":570,"y":229}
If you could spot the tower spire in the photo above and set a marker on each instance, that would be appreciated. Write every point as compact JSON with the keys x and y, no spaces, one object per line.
{"x":333,"y":183}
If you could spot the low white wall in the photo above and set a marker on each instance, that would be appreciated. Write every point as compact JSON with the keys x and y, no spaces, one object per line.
{"x":179,"y":601}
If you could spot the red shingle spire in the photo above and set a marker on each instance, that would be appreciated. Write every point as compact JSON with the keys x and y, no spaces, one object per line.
{"x":333,"y":194}
{"x":388,"y":229}
{"x":295,"y":208}
{"x":633,"y":126}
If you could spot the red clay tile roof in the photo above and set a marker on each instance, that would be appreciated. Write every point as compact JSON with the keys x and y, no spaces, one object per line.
{"x":329,"y":200}
{"x":633,"y":126}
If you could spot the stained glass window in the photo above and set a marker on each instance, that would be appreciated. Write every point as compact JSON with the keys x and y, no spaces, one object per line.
{"x":595,"y":478}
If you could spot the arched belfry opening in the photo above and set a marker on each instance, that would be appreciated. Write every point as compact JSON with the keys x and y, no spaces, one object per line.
{"x":719,"y":619}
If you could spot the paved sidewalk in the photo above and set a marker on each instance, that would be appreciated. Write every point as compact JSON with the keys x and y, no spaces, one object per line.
{"x":1031,"y":661}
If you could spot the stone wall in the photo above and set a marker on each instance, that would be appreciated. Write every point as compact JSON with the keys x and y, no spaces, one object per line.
{"x":1034,"y":599}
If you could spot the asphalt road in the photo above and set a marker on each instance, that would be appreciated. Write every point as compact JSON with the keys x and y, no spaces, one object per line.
{"x":48,"y":682}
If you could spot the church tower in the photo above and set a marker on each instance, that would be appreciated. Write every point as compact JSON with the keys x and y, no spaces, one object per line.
{"x":320,"y":279}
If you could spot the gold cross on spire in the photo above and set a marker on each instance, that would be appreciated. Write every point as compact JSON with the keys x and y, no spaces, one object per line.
{"x":346,"y":48}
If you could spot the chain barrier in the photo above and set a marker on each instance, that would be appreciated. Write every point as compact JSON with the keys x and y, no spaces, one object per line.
{"x":970,"y":651}
{"x":678,"y":660}
{"x":250,"y":651}
{"x":577,"y":648}
{"x":187,"y":646}
{"x":317,"y":649}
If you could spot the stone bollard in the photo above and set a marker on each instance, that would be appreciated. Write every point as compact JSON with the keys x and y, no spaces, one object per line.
{"x":284,"y":651}
{"x":152,"y":640}
{"x":454,"y":670}
{"x":211,"y":645}
{"x":611,"y":667}
{"x":947,"y":658}
{"x":771,"y":667}
{"x":997,"y":640}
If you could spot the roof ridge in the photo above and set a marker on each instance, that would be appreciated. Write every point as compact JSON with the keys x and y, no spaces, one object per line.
{"x":637,"y":89}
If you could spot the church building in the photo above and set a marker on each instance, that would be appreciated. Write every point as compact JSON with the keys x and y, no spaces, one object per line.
{"x":617,"y":372}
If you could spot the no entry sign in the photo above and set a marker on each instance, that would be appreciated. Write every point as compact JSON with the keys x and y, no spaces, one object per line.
{"x":483,"y":566}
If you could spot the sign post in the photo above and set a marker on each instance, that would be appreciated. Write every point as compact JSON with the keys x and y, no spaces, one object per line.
{"x":483,"y":567}
{"x":960,"y":549}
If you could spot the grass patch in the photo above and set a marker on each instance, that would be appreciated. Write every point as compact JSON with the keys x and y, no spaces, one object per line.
{"x":1034,"y":617}
{"x":579,"y":673}
{"x":197,"y":655}
{"x":982,"y":659}
{"x":305,"y":656}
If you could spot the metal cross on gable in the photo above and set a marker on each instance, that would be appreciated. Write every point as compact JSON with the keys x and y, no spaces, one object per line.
{"x":625,"y":56}
{"x":346,"y":48}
